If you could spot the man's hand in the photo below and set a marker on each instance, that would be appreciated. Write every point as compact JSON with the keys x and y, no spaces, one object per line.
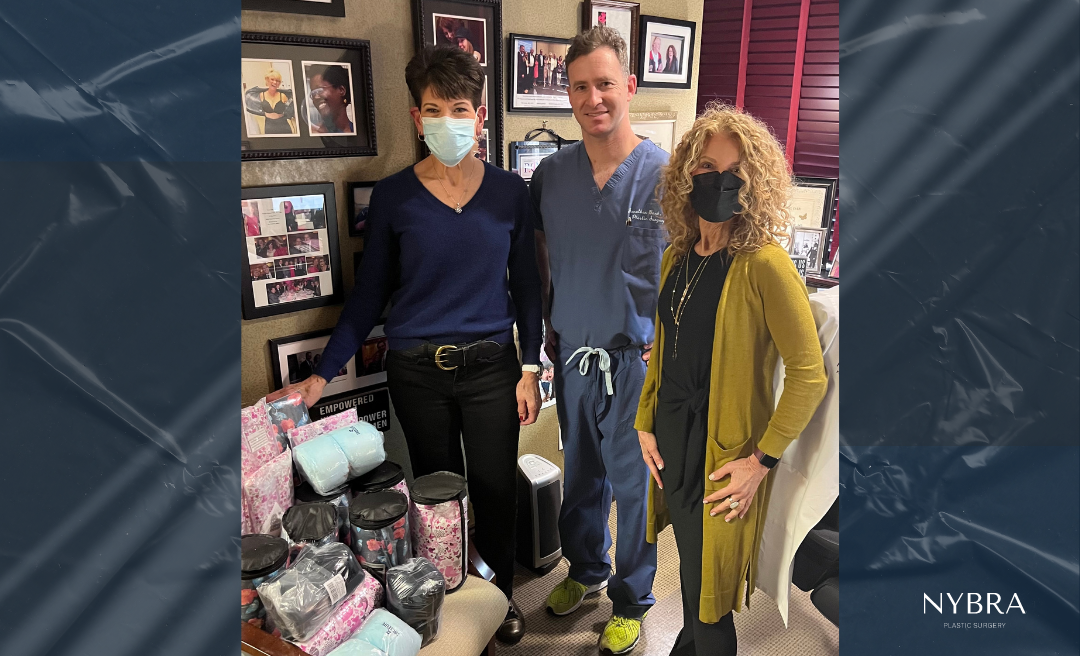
{"x":551,"y":342}
{"x":528,"y":398}
{"x":311,"y":389}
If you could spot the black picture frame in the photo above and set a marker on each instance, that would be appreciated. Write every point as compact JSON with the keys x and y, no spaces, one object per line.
{"x":335,"y":8}
{"x":359,"y":375}
{"x":828,"y":211}
{"x":284,"y":268}
{"x":587,"y":9}
{"x":677,"y":31}
{"x":518,"y":101}
{"x":301,"y":56}
{"x":355,"y":229}
{"x":490,"y":12}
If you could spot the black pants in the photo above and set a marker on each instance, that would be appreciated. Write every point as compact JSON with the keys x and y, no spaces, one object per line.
{"x":474,"y":406}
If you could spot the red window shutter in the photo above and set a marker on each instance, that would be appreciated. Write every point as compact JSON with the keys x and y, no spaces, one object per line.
{"x":721,"y":35}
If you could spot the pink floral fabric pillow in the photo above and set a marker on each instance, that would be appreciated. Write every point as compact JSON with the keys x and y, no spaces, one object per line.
{"x":439,"y":535}
{"x":268,"y":493}
{"x":258,"y":445}
{"x":301,"y":434}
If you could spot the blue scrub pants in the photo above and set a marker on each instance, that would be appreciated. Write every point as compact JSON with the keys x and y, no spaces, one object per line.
{"x":603,"y":456}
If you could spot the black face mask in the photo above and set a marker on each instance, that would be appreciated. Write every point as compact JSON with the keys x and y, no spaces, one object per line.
{"x":715,"y":195}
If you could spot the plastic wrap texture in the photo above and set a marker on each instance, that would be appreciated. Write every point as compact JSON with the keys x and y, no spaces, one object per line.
{"x":330,"y":460}
{"x":349,"y":617}
{"x":384,"y":634}
{"x":415,"y":593}
{"x":302,"y":434}
{"x":959,"y":460}
{"x":302,"y":597}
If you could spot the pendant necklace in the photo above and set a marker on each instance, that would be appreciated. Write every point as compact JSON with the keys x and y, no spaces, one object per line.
{"x":687,"y":292}
{"x":465,"y":190}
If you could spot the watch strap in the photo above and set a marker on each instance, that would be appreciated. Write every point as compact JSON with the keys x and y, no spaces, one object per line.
{"x":766,"y":460}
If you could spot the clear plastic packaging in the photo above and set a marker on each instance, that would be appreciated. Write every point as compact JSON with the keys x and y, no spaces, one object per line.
{"x":261,"y":556}
{"x":440,"y":524}
{"x":415,"y":593}
{"x":387,"y":476}
{"x":349,"y":617}
{"x":310,"y":523}
{"x":384,"y":634}
{"x":301,"y":598}
{"x":380,"y":530}
{"x":268,"y":493}
{"x":301,"y":434}
{"x":331,"y":460}
{"x":285,"y":414}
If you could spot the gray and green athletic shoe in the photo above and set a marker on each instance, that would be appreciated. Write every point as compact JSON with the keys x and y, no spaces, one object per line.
{"x":568,"y":595}
{"x":621,"y":634}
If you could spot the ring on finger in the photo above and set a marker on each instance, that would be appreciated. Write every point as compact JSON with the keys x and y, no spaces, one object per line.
{"x":733,"y":503}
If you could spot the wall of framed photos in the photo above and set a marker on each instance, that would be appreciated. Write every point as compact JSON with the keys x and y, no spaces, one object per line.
{"x":390,"y":33}
{"x":562,"y":18}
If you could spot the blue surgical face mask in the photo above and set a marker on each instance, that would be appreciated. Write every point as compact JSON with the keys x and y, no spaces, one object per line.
{"x":449,"y":139}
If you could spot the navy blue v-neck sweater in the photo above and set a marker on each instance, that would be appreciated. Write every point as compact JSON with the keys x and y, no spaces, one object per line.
{"x":450,"y":278}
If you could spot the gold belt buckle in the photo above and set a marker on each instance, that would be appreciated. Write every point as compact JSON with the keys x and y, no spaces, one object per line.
{"x":440,"y":353}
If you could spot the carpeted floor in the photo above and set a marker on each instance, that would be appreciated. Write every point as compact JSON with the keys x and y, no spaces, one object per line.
{"x":760,"y":629}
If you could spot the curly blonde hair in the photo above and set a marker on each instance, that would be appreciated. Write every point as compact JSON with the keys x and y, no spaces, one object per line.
{"x":762,"y":164}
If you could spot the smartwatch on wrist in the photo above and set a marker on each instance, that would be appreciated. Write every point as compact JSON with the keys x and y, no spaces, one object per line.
{"x":531,"y":368}
{"x":767,"y":461}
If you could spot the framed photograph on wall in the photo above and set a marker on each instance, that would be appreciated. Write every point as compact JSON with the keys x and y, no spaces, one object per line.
{"x":812,"y":205}
{"x":305,"y":97}
{"x":623,"y":17}
{"x":292,"y":359}
{"x":527,"y":155}
{"x":667,"y":56}
{"x":475,"y":26}
{"x":808,"y":243}
{"x":660,"y":132}
{"x":538,"y":81}
{"x":291,"y":259}
{"x":359,"y":195}
{"x":313,"y":7}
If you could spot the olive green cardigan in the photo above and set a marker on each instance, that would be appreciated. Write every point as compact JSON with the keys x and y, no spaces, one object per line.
{"x":764,"y":312}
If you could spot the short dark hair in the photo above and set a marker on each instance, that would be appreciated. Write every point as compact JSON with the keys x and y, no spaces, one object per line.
{"x":595,"y":38}
{"x":449,"y":72}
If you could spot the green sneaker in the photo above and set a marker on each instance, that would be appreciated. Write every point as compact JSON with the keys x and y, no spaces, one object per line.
{"x":621,"y":634}
{"x":568,"y":595}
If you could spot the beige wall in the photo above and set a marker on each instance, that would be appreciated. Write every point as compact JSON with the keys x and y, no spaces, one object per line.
{"x":388,"y":26}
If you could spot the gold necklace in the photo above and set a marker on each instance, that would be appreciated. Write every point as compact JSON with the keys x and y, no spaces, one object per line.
{"x":688,"y":291}
{"x":465,"y":189}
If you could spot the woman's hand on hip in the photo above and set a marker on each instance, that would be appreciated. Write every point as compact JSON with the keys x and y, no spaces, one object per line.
{"x":311,"y":389}
{"x":651,"y":455}
{"x":746,"y":475}
{"x":528,"y":398}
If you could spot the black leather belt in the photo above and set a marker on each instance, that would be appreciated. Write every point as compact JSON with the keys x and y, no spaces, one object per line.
{"x":451,"y":356}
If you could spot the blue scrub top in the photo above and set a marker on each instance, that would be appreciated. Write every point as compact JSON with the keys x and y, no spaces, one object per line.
{"x":604,"y":246}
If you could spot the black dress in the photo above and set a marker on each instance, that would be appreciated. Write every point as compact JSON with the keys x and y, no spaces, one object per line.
{"x":682,"y":433}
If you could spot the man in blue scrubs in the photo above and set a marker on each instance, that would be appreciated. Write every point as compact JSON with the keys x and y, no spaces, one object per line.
{"x":600,"y":240}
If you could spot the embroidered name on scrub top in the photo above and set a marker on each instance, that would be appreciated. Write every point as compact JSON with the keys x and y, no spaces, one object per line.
{"x":645,"y":218}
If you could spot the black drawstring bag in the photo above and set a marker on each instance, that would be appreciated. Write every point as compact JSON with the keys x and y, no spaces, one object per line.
{"x":338,"y":498}
{"x":380,"y":530}
{"x":310,"y":523}
{"x":261,"y":556}
{"x":387,"y":476}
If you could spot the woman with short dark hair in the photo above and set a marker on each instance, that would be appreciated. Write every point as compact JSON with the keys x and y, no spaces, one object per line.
{"x":449,"y":242}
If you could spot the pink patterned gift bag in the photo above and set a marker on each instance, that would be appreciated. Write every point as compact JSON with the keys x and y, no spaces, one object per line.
{"x":257,"y":443}
{"x":301,"y":434}
{"x":347,"y":620}
{"x":268,"y":493}
{"x":439,"y":524}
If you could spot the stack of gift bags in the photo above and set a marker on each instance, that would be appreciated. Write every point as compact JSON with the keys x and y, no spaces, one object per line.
{"x":339,"y":556}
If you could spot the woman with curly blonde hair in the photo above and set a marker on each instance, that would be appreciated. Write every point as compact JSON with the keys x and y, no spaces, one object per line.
{"x":731,"y":302}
